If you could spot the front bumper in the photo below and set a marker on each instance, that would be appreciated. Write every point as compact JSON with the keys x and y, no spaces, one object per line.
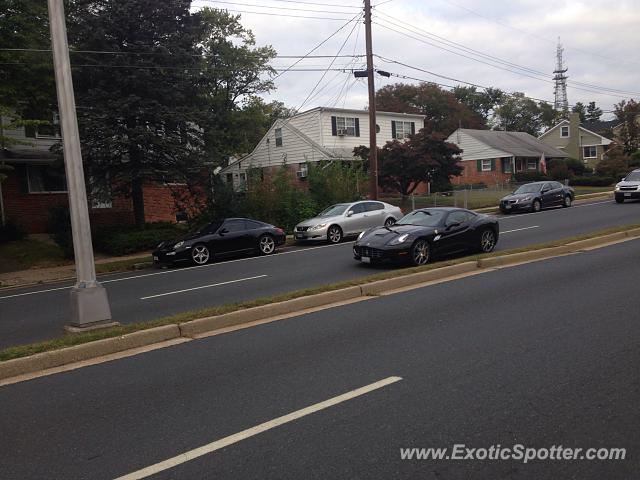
{"x":317,"y":235}
{"x":506,"y":206}
{"x":627,"y":195}
{"x":168,"y":257}
{"x":386,"y":253}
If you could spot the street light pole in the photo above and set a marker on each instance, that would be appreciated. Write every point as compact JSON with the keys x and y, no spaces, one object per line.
{"x":89,"y":303}
{"x":373,"y":145}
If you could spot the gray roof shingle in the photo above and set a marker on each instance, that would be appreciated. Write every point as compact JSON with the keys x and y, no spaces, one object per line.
{"x":518,"y":144}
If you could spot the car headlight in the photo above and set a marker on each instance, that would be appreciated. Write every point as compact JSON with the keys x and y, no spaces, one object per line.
{"x":178,"y":245}
{"x":318,"y":227}
{"x":361,"y":235}
{"x":399,"y":240}
{"x":525,"y":199}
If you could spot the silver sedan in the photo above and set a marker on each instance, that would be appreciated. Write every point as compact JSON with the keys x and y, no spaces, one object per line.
{"x":346,"y":220}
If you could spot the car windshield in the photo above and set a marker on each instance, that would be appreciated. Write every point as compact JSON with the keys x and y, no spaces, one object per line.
{"x":422,"y":218}
{"x":633,"y":177}
{"x":334,"y":210}
{"x":529,"y":188}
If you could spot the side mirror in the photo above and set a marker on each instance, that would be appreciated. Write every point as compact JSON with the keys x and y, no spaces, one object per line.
{"x":349,"y":213}
{"x":544,"y":190}
{"x":222,"y":231}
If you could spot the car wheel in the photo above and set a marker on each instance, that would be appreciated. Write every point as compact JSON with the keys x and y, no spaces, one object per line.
{"x":266,"y":245}
{"x":389,"y":221}
{"x":619,"y":199}
{"x":567,"y":201}
{"x":334,"y":234}
{"x":536,"y":206}
{"x":487,"y":240}
{"x":200,"y":254}
{"x":420,"y":252}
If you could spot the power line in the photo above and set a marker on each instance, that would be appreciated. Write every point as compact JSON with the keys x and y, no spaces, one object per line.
{"x":272,"y":6}
{"x":308,"y":3}
{"x":283,"y":15}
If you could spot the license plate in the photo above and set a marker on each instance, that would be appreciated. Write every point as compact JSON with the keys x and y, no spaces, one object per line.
{"x":507,"y":207}
{"x":627,"y":194}
{"x":365,"y":259}
{"x":155,"y":258}
{"x":299,"y":235}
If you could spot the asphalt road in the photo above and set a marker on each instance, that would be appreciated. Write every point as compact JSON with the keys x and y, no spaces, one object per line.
{"x":540,"y":355}
{"x":33,"y":314}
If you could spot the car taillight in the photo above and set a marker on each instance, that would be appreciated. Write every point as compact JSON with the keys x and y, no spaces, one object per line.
{"x":280,"y":231}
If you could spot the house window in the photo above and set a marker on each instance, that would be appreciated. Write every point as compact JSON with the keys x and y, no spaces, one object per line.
{"x":243,"y":181}
{"x":346,"y":126}
{"x":46,"y":179}
{"x":229,"y":177}
{"x":46,"y":130}
{"x":507,"y":165}
{"x":590,"y":151}
{"x":278,"y":137}
{"x":402,"y":130}
{"x":564,"y":132}
{"x":532,"y":164}
{"x":486,"y":165}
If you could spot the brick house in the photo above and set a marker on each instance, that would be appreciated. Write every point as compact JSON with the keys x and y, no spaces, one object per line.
{"x":493,"y":157}
{"x":577,"y":141}
{"x":36,"y":183}
{"x":319,"y":134}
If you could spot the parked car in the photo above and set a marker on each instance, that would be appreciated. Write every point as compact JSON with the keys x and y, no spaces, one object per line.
{"x":428,"y":232}
{"x":629,"y":187}
{"x":221,"y":238}
{"x":535,"y":196}
{"x":345,"y":220}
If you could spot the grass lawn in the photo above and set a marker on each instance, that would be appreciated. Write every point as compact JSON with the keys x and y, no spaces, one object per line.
{"x":24,"y":254}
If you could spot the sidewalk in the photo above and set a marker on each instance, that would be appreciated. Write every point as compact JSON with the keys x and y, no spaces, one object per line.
{"x":36,"y":276}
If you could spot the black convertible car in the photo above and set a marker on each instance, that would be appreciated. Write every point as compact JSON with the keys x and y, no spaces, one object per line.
{"x":220,"y":238}
{"x":428,"y":232}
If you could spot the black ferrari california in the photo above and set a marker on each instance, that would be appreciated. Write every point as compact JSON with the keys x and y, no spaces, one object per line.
{"x":423,"y":234}
{"x":221,"y":238}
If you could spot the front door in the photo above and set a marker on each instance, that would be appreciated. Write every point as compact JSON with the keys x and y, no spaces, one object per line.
{"x":232,"y":237}
{"x":355,"y":221}
{"x":457,"y":235}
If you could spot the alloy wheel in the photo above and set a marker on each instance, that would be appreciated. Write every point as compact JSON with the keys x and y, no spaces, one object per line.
{"x":536,"y":206}
{"x":389,"y":221}
{"x":567,"y":201}
{"x":487,"y":241}
{"x":334,"y":235}
{"x":267,"y":245}
{"x":420,"y":252}
{"x":200,"y":254}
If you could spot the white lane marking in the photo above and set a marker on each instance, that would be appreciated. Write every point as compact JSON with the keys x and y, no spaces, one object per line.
{"x":203,"y":286}
{"x":519,"y":229}
{"x":520,"y":215}
{"x":177,"y":270}
{"x":253,"y":431}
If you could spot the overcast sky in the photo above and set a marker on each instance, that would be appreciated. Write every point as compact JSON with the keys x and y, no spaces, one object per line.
{"x":600,"y":38}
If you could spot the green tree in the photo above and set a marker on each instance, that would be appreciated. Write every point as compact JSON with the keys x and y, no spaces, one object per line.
{"x":27,"y":84}
{"x":615,"y":164}
{"x":580,"y":109}
{"x":233,"y":70}
{"x":335,"y":182}
{"x":521,"y":114}
{"x":483,"y":103}
{"x":138,"y":106}
{"x":424,"y":157}
{"x":443,"y":112}
{"x":628,"y":112}
{"x":593,"y":113}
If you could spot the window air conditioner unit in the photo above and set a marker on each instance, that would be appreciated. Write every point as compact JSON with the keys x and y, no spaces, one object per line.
{"x":342,"y":132}
{"x":302,"y":173}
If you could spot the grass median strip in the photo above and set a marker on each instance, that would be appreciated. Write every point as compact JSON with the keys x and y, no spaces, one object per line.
{"x":81,"y":338}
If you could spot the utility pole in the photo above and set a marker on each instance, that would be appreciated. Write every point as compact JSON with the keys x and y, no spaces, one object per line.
{"x":373,"y":145}
{"x":89,"y":303}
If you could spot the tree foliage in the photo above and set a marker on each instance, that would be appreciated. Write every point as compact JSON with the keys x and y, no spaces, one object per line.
{"x":581,"y":110}
{"x":443,"y":112}
{"x":424,"y":157}
{"x":593,"y":113}
{"x":628,"y":113}
{"x":519,"y":113}
{"x":482,"y":103}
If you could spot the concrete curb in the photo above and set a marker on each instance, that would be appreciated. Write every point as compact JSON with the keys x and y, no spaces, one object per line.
{"x":57,"y":358}
{"x":190,"y":329}
{"x":203,"y":325}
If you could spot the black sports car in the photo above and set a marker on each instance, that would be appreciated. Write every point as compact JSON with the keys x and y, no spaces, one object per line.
{"x":428,"y":232}
{"x":220,"y":238}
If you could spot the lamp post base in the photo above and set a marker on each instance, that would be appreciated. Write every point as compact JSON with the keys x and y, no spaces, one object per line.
{"x":89,"y":308}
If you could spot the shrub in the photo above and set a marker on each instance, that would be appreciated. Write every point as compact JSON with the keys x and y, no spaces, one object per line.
{"x":126,"y":240}
{"x":60,"y":228}
{"x":11,"y":232}
{"x":530,"y":177}
{"x":593,"y":181}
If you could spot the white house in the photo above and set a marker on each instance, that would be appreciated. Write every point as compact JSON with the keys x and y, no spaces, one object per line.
{"x":316,"y":135}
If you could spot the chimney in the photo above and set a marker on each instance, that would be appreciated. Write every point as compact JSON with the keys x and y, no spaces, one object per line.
{"x":573,"y":148}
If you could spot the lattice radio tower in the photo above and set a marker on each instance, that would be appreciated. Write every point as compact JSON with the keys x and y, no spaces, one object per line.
{"x":561,"y":104}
